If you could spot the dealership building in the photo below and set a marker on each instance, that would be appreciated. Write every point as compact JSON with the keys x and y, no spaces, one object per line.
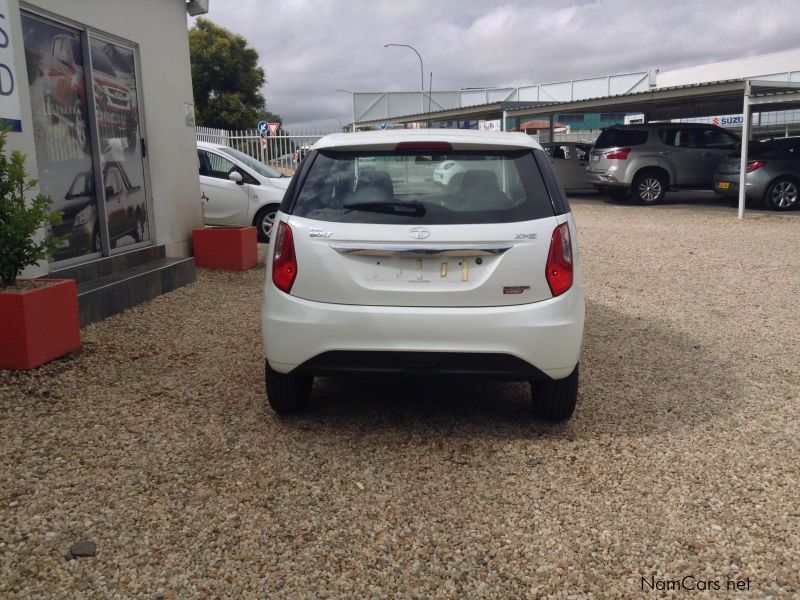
{"x":99,"y":96}
{"x":530,"y":108}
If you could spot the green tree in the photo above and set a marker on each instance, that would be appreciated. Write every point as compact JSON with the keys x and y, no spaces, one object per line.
{"x":21,"y":218}
{"x":226,"y":78}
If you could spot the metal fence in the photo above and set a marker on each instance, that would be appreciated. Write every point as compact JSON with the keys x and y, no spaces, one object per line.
{"x":282,"y":151}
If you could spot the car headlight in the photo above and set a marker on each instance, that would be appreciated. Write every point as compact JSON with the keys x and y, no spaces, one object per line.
{"x":83,"y":217}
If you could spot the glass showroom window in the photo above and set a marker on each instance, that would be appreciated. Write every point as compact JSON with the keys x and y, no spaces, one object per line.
{"x":117,"y":118}
{"x":90,"y":161}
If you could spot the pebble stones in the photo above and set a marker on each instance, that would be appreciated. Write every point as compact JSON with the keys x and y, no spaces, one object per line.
{"x":82,"y":550}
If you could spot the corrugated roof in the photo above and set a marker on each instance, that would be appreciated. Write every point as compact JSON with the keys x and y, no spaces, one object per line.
{"x":733,"y":89}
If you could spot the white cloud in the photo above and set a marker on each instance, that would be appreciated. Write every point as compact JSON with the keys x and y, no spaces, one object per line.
{"x":310,"y":48}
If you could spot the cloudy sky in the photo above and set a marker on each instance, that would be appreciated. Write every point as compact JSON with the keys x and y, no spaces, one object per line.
{"x":310,"y":48}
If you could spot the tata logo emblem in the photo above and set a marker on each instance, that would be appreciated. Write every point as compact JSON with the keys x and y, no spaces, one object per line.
{"x":419,"y":233}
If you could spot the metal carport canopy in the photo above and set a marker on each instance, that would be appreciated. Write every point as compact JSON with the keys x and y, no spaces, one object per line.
{"x":687,"y":101}
{"x":660,"y":104}
{"x":731,"y":96}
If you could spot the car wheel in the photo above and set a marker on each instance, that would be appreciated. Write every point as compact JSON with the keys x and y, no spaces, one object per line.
{"x":138,"y":233}
{"x":79,"y":125}
{"x":555,"y":400}
{"x":97,"y":245}
{"x":649,"y":188}
{"x":286,"y":393}
{"x":782,"y":194}
{"x":265,"y":221}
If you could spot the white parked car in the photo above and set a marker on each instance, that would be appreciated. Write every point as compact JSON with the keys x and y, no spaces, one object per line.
{"x":236,"y":189}
{"x":374,"y":273}
{"x":449,"y":171}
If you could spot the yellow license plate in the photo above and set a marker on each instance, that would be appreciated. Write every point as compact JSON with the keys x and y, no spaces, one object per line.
{"x":724,"y":185}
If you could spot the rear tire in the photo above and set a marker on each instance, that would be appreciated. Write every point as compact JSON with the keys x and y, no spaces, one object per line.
{"x":138,"y":232}
{"x":97,"y":245}
{"x":783,"y":194}
{"x":286,"y":393}
{"x":649,"y":188}
{"x":555,"y":400}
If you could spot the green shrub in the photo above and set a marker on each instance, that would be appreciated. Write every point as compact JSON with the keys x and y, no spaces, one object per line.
{"x":20,"y":219}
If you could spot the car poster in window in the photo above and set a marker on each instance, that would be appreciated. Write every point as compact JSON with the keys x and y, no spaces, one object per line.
{"x":55,"y":63}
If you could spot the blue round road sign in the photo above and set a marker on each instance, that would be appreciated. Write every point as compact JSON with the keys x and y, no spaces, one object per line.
{"x":263,"y":126}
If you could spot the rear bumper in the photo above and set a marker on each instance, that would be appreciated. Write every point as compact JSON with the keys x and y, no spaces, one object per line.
{"x":527,"y":341}
{"x":753,"y":190}
{"x":604,"y":180}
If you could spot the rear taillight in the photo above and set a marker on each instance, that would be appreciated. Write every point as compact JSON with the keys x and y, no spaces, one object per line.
{"x":621,"y":154}
{"x":755,"y":164}
{"x":284,"y":261}
{"x":559,"y":261}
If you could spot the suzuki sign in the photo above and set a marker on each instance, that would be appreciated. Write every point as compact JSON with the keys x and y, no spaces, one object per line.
{"x":728,"y":121}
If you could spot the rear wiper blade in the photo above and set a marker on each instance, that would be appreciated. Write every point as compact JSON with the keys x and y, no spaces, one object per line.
{"x":394,"y":207}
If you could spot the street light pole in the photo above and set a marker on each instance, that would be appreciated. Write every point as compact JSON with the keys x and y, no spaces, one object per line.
{"x":338,"y":120}
{"x":421,"y":74}
{"x":353,"y":102}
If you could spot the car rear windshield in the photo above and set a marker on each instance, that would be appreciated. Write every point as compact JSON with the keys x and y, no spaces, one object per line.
{"x":456,"y":187}
{"x":615,"y":138}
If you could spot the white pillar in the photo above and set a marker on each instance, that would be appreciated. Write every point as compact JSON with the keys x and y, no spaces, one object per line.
{"x":745,"y":139}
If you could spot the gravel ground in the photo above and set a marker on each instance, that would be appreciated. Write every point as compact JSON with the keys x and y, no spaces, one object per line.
{"x":153,"y":443}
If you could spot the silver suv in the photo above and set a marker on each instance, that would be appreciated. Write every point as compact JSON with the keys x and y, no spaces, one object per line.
{"x":643,"y":162}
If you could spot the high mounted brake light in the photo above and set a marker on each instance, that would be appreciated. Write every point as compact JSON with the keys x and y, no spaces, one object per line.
{"x":425,"y":146}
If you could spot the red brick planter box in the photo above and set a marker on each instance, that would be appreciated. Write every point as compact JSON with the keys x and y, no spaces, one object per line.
{"x":231,"y":248}
{"x":38,"y":325}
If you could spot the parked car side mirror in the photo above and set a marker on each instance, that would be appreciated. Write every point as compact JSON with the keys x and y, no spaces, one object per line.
{"x":236,"y":176}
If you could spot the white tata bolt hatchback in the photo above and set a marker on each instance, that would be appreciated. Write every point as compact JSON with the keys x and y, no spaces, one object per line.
{"x":374,"y":267}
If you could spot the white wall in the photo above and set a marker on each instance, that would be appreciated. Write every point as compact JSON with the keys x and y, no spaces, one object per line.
{"x":159,"y":28}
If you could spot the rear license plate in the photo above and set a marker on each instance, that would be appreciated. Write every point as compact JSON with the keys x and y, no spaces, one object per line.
{"x":596,"y":158}
{"x":449,"y":269}
{"x":724,"y":185}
